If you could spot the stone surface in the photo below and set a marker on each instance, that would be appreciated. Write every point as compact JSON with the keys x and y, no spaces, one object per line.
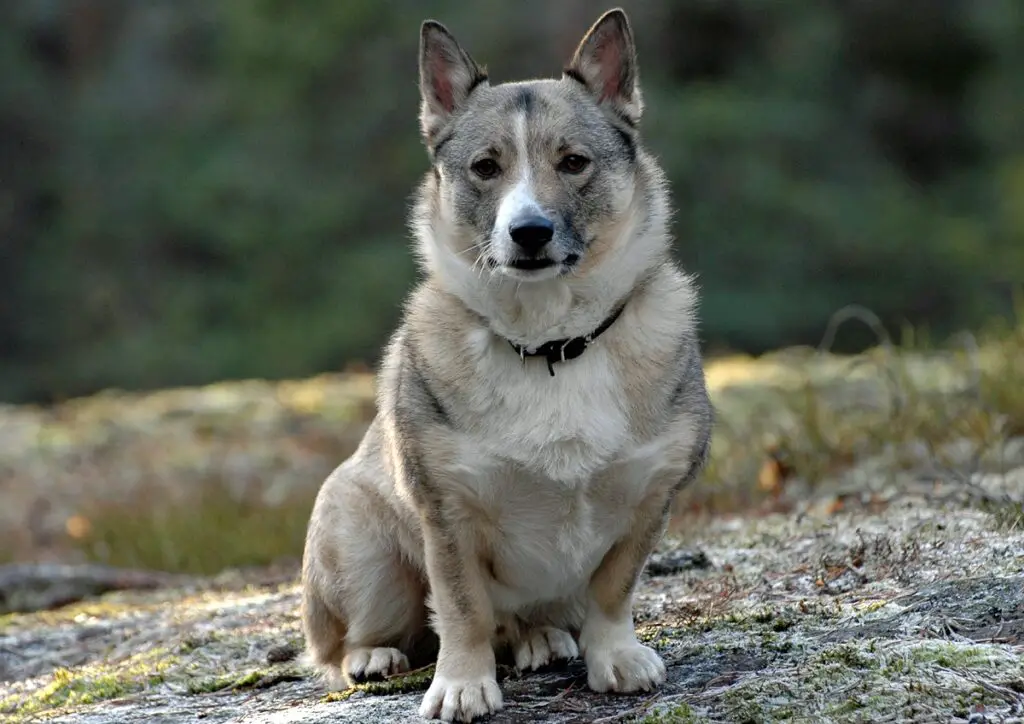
{"x":909,"y":612}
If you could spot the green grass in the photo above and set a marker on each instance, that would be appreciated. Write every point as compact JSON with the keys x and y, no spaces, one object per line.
{"x":205,"y":535}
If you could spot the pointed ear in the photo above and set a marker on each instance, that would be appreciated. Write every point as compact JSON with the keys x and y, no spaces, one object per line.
{"x":447,"y":76}
{"x":605,"y":62}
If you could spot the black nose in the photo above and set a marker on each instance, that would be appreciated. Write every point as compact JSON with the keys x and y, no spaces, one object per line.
{"x":531,"y":233}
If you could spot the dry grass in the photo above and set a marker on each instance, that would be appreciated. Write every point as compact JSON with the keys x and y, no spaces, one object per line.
{"x":795,"y":420}
{"x":224,"y":476}
{"x":203,"y":535}
{"x":190,"y":480}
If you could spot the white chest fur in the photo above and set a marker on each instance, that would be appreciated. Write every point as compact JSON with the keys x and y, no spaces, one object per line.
{"x":550,"y":471}
{"x":544,"y":538}
{"x":565,"y":428}
{"x":547,"y":540}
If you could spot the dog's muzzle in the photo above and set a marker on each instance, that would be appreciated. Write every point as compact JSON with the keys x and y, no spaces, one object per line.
{"x":531,"y":236}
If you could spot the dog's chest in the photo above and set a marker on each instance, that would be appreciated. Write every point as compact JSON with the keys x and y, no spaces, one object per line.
{"x":565,"y":427}
{"x":545,"y":541}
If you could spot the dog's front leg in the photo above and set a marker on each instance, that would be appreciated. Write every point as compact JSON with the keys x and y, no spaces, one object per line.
{"x":615,"y":659}
{"x":465,"y":684}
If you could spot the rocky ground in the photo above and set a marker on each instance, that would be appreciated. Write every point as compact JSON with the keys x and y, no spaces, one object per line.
{"x":911,"y":613}
{"x":854,"y":554}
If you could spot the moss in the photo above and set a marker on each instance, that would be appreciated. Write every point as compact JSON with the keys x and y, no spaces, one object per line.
{"x":870,"y":689}
{"x":210,"y":684}
{"x":951,"y":656}
{"x":192,"y":643}
{"x":849,"y":655}
{"x":678,"y":714}
{"x":897,"y":667}
{"x":848,"y":706}
{"x":418,"y":680}
{"x":109,"y":606}
{"x":749,"y":712}
{"x":648,"y":634}
{"x":780,"y":646}
{"x":782,"y":624}
{"x":257,"y":678}
{"x":871,"y":606}
{"x":343,"y":695}
{"x":88,"y":685}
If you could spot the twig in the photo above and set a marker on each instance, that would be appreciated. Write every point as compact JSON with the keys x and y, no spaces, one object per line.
{"x":551,"y":700}
{"x":410,"y":672}
{"x":631,"y":712}
{"x":857,"y":312}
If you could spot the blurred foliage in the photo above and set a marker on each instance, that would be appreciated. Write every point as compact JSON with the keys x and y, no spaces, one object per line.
{"x":193,"y":191}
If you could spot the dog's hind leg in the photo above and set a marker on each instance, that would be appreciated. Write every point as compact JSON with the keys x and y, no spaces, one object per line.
{"x":363,"y":606}
{"x":325,"y":636}
{"x":388,"y":621}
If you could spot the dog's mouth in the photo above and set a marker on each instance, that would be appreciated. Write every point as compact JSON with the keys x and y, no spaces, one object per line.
{"x":531,"y":264}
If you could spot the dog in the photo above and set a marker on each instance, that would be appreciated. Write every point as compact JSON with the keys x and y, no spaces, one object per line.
{"x":539,"y":406}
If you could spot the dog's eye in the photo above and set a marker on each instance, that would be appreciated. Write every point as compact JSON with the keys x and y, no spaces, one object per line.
{"x":486,"y":168}
{"x":573,"y":163}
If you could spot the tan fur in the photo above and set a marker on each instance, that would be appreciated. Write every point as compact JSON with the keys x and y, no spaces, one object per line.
{"x":489,"y":502}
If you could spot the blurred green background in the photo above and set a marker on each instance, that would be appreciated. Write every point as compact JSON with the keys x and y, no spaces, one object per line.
{"x":195,"y":190}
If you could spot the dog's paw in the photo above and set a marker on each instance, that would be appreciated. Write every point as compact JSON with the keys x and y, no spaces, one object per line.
{"x":461,"y":699}
{"x":624,"y":668}
{"x":364,"y":664}
{"x":542,"y":645}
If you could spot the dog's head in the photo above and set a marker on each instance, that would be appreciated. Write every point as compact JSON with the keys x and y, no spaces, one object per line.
{"x":534,"y":180}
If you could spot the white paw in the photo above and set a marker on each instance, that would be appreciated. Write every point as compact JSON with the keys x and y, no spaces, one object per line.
{"x":542,"y":645}
{"x":627,"y":667}
{"x":460,"y":699}
{"x":366,"y":663}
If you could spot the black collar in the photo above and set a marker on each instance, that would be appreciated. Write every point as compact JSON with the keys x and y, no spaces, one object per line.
{"x":560,"y":350}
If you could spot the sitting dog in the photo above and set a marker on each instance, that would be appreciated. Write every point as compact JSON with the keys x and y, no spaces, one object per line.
{"x":539,"y":406}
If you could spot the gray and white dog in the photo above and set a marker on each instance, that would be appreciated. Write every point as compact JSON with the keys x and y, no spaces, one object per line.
{"x":540,"y":405}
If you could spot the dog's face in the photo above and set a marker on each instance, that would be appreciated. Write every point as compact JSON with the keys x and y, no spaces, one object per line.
{"x":534,"y":177}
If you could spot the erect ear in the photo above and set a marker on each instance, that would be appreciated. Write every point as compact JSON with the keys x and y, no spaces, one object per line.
{"x":605,"y":62}
{"x":447,"y":76}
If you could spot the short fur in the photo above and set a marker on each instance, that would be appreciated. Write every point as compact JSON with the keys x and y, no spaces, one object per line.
{"x":489,"y":501}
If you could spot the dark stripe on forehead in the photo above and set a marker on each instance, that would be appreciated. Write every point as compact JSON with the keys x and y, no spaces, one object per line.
{"x":524,"y":100}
